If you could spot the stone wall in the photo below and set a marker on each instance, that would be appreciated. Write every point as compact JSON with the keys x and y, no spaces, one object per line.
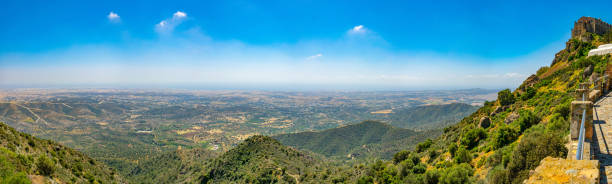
{"x":589,"y":25}
{"x":576,"y":118}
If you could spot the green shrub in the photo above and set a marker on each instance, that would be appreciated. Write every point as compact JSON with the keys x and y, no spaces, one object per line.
{"x":557,"y":124}
{"x":498,"y":175}
{"x":452,"y":149}
{"x":419,"y":168}
{"x":534,"y":147}
{"x":406,"y":167}
{"x":401,"y":156}
{"x":432,"y":154}
{"x":365,"y":180}
{"x":424,"y":145}
{"x":472,"y":137}
{"x":431,"y":177}
{"x":457,"y":174}
{"x":527,"y":119}
{"x":463,"y":156}
{"x":503,"y":136}
{"x":505,"y":97}
{"x":45,"y":165}
{"x":18,"y":178}
{"x":542,"y":70}
{"x":529,"y":93}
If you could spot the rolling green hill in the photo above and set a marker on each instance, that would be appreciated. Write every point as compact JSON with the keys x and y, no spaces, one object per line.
{"x":261,"y":159}
{"x":431,"y":116}
{"x":24,"y":158}
{"x":365,"y":139}
{"x":172,"y":167}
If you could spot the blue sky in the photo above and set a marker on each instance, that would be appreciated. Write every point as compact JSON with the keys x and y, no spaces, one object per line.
{"x":284,"y":44}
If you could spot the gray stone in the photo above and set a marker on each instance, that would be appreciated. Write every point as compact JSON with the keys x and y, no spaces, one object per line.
{"x":587,"y":71}
{"x":485,"y":122}
{"x":511,"y":117}
{"x":594,"y":77}
{"x":498,"y":110}
{"x":576,"y":110}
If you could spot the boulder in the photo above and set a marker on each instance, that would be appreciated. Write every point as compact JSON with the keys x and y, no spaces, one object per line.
{"x":498,"y":109}
{"x":485,"y":122}
{"x":587,"y":71}
{"x":511,"y":117}
{"x":594,"y":77}
{"x":529,"y":82}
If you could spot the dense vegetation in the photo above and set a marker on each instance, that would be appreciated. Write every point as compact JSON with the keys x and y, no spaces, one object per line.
{"x":22,"y":154}
{"x":172,"y":167}
{"x":261,"y":159}
{"x":363,"y":140}
{"x":430,"y":116}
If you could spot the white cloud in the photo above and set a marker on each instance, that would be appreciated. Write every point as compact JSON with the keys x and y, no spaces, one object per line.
{"x":358,"y":29}
{"x":162,"y":23}
{"x":167,"y":25}
{"x":113,"y":17}
{"x":314,"y":56}
{"x":179,"y":14}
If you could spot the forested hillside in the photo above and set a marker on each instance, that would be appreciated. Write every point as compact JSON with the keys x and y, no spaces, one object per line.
{"x":24,"y":158}
{"x":368,"y":139}
{"x":431,"y":116}
{"x":261,"y":159}
{"x":172,"y":167}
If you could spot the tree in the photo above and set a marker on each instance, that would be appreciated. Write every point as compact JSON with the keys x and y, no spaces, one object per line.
{"x":503,"y":136}
{"x":527,"y":119}
{"x":45,"y":165}
{"x":472,"y":137}
{"x":457,"y":174}
{"x":401,"y":156}
{"x":424,"y":145}
{"x":463,"y":156}
{"x":529,"y":93}
{"x":505,"y":97}
{"x":452,"y":149}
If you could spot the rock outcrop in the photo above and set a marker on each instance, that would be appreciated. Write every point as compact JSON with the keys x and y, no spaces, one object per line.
{"x":529,"y":82}
{"x":498,"y":110}
{"x":511,"y":117}
{"x":558,"y":170}
{"x":485,"y":122}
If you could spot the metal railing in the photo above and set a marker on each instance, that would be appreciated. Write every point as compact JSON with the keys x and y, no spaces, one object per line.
{"x":580,"y":148}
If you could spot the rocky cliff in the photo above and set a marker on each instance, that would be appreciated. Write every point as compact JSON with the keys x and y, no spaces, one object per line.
{"x":586,"y":30}
{"x":586,"y":25}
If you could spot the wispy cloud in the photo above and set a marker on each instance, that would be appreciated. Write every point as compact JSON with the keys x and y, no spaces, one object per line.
{"x":314,"y":56}
{"x":167,"y":25}
{"x":113,"y":17}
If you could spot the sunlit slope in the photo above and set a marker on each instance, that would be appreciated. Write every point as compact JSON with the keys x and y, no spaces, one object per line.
{"x":22,"y":154}
{"x":362,"y":140}
{"x":505,"y":139}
